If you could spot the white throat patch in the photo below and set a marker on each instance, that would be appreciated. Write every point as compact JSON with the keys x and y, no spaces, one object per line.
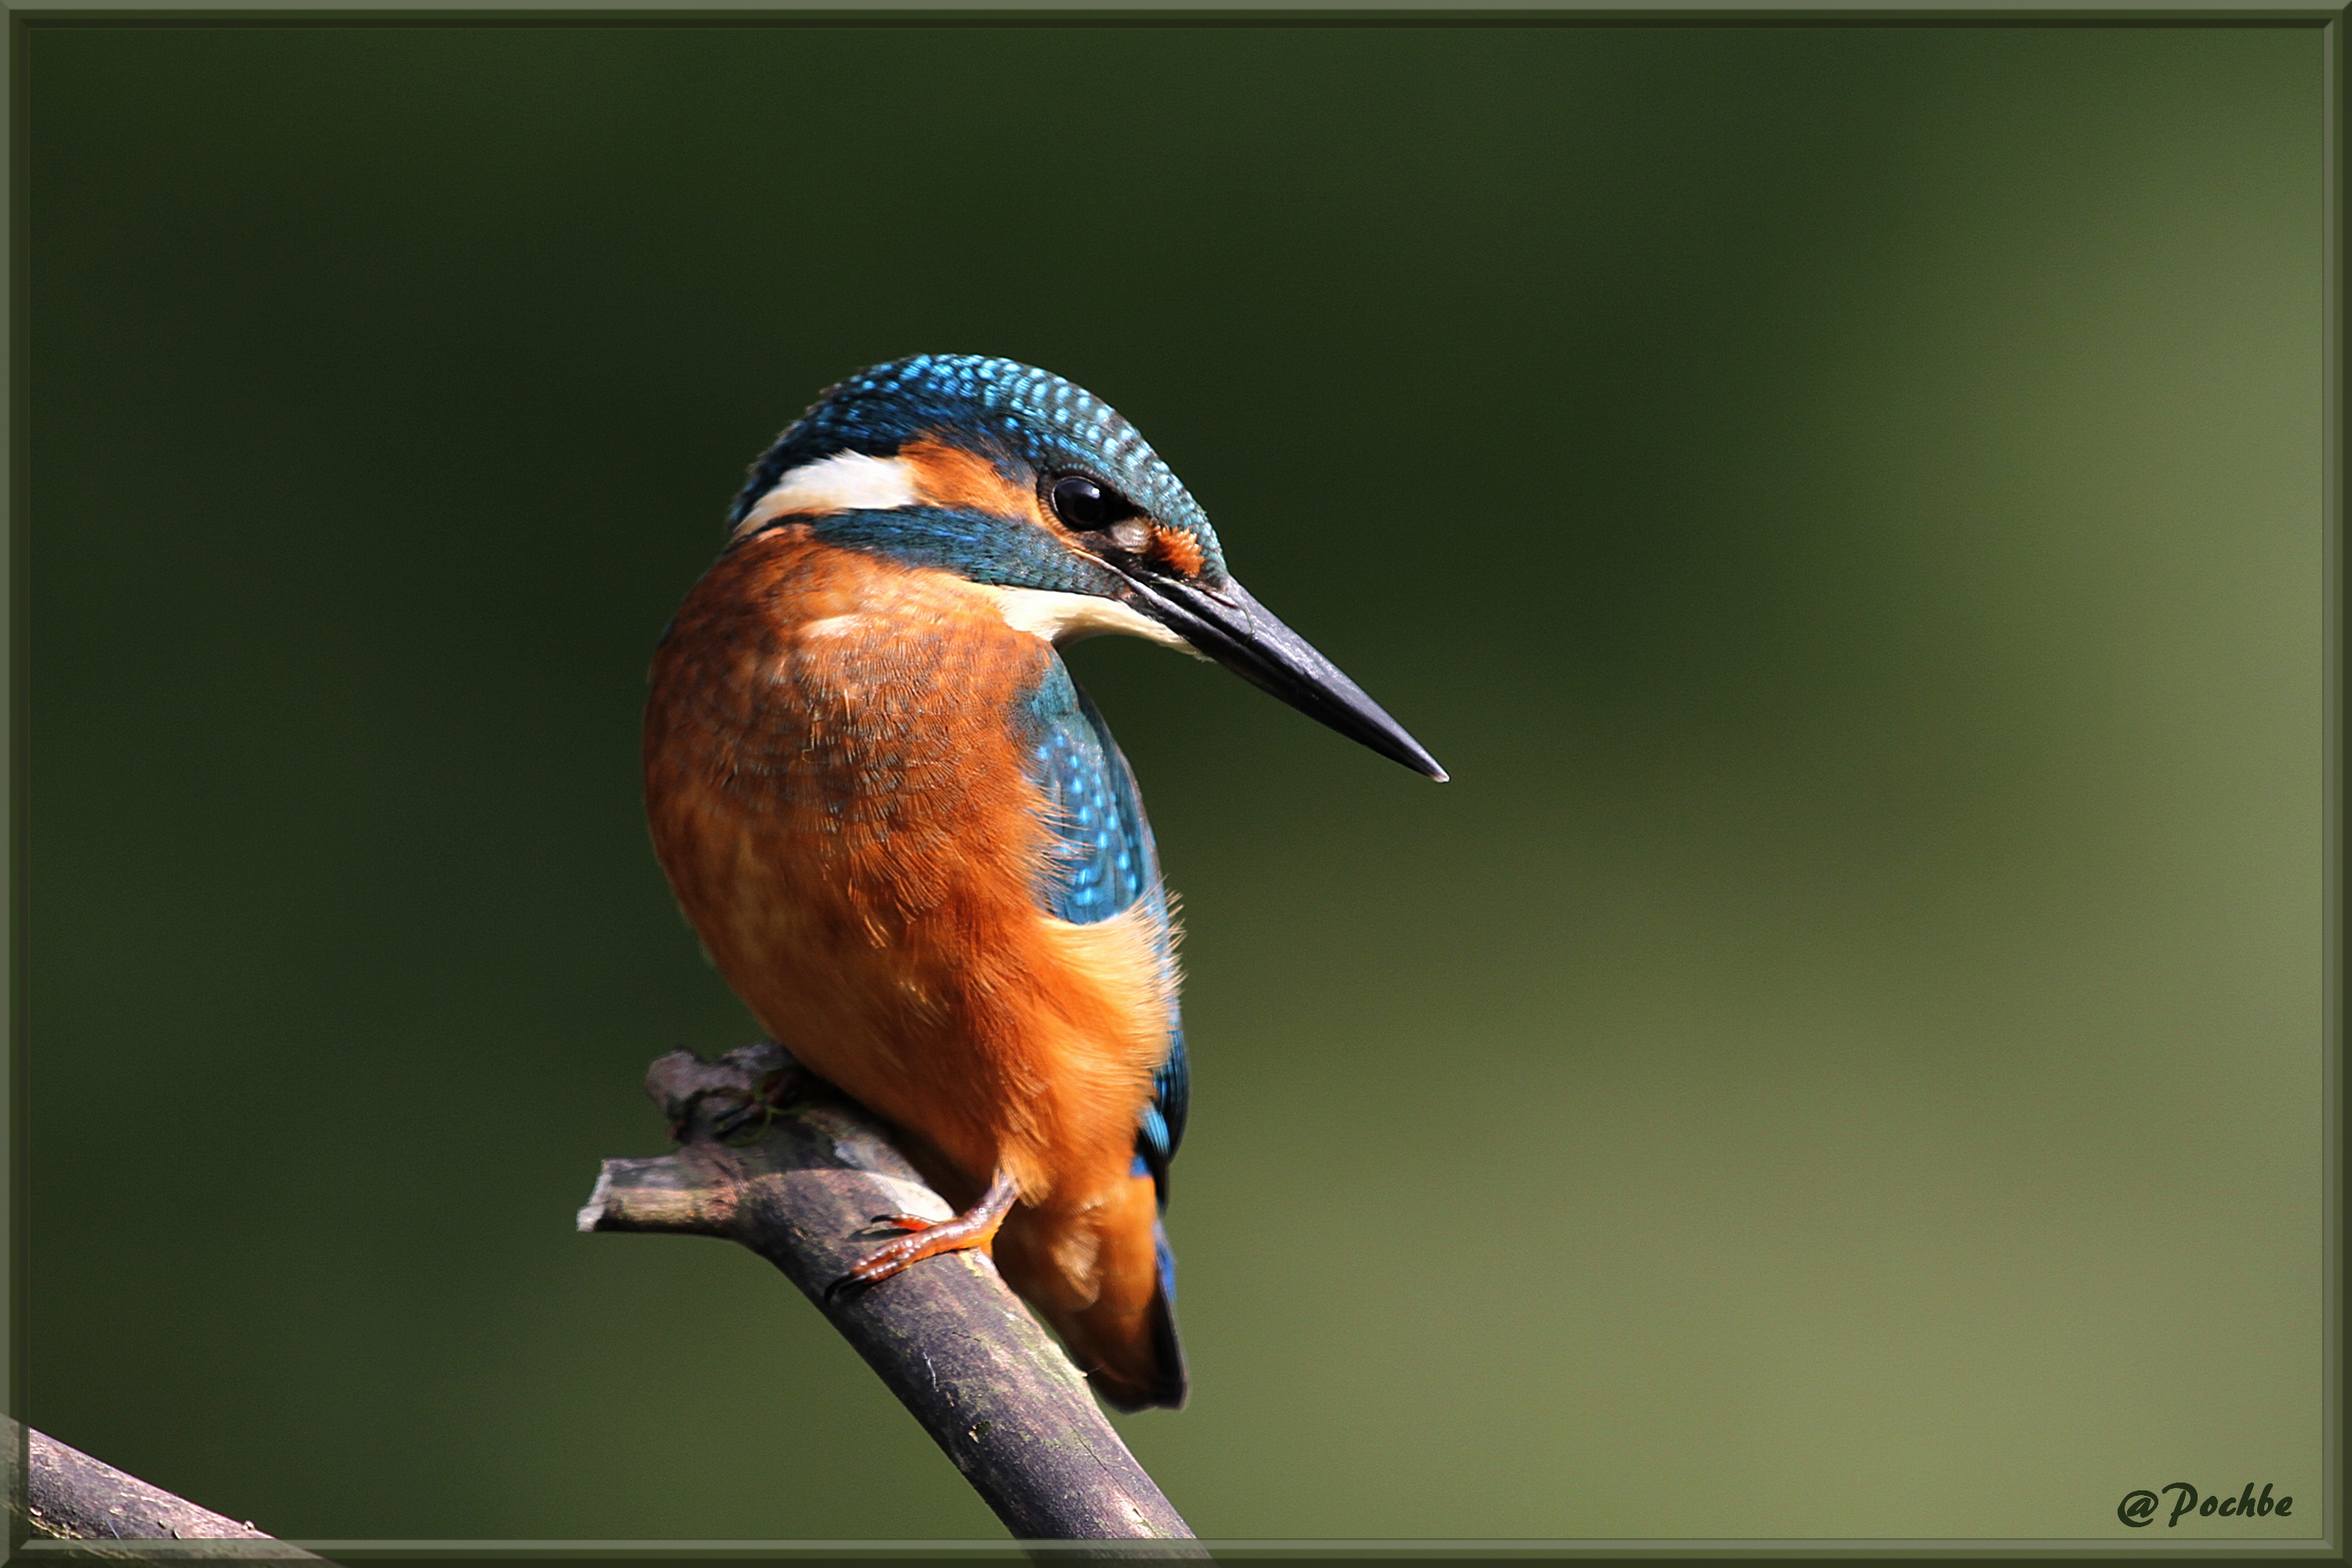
{"x":851,"y":481}
{"x":846,"y":482}
{"x":1065,"y":618}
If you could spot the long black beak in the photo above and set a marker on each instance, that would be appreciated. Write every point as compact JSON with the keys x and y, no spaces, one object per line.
{"x":1235,"y":629}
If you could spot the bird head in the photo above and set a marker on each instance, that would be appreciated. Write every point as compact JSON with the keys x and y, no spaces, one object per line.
{"x":1032,"y":488}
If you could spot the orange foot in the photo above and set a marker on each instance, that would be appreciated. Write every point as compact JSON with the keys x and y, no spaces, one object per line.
{"x":976,"y":1226}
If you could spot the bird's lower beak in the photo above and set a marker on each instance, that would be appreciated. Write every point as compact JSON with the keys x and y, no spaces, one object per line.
{"x":1231,"y":626}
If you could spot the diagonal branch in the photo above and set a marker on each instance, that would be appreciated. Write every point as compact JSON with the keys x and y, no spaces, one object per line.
{"x":948,"y":1337}
{"x":65,"y":1495}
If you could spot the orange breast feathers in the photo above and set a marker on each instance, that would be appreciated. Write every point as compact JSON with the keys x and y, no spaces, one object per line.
{"x":837,"y":781}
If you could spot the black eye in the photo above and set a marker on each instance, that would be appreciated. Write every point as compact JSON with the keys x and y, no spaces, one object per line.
{"x":1086,"y":505}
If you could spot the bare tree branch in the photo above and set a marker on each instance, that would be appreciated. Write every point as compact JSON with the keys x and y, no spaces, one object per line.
{"x":65,"y":1495}
{"x":948,"y":1337}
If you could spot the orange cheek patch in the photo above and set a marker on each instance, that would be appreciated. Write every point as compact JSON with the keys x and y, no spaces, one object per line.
{"x":949,"y":475}
{"x":1178,"y":551}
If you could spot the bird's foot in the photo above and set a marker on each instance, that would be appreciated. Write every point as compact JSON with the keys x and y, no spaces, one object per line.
{"x":908,"y":1222}
{"x":976,"y":1226}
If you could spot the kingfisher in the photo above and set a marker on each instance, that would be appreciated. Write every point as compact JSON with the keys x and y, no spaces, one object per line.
{"x":910,"y":843}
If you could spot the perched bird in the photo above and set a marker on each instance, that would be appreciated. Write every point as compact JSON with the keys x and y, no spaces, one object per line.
{"x":908,"y":841}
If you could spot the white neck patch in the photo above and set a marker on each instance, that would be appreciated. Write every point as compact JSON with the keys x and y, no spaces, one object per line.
{"x":1065,"y":618}
{"x":846,"y":482}
{"x":852,"y":481}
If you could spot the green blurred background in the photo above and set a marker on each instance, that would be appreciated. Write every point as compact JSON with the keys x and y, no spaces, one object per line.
{"x":1842,"y":1057}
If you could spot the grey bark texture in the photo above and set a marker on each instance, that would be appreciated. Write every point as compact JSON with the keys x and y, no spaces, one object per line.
{"x":65,"y":1495}
{"x":802,"y":1186}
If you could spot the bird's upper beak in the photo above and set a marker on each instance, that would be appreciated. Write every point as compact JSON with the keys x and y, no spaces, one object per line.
{"x":1231,"y":626}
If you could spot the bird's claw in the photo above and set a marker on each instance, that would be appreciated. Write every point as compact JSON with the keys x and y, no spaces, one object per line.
{"x":884,"y":1261}
{"x":975,"y":1227}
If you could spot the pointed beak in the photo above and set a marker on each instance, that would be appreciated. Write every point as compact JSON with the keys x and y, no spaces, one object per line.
{"x":1231,"y":626}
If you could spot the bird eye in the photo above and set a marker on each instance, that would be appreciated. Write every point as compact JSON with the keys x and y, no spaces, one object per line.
{"x":1086,"y":505}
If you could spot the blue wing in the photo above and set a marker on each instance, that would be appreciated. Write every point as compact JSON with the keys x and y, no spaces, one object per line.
{"x":1106,"y":864}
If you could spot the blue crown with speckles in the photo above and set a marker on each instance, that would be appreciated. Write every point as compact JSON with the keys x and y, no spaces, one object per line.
{"x":997,"y":407}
